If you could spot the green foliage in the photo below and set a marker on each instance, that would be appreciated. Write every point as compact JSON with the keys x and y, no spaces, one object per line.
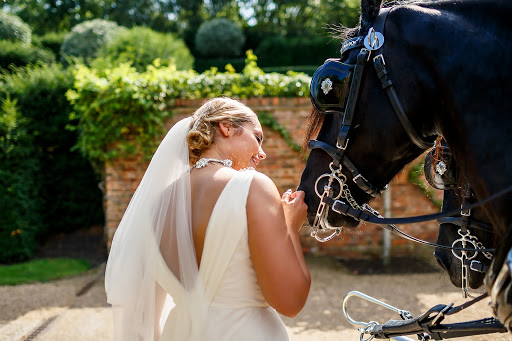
{"x":219,"y":38}
{"x":141,"y":46}
{"x":87,"y":38}
{"x":20,"y":54}
{"x":266,"y":119}
{"x":307,"y":69}
{"x":69,"y":193}
{"x":51,"y":40}
{"x":281,"y":50}
{"x":204,"y":64}
{"x":122,"y":111}
{"x":42,"y":270}
{"x":19,"y":189}
{"x":416,"y":177}
{"x":14,"y":29}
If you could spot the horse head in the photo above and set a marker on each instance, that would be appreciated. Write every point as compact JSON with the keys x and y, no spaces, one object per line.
{"x":348,"y":100}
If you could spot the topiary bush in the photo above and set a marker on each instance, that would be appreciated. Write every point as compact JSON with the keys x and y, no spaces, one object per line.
{"x":20,"y":219}
{"x":20,"y":54}
{"x":14,"y":29}
{"x":141,"y":46}
{"x":85,"y":39}
{"x":69,"y":195}
{"x":219,"y":38}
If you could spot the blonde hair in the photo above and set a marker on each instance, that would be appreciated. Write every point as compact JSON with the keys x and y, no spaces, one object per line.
{"x":206,"y":120}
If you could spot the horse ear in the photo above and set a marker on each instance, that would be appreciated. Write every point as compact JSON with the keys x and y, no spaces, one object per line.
{"x":369,"y":12}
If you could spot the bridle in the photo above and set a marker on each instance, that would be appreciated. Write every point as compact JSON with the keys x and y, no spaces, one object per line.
{"x":464,"y":221}
{"x":439,"y":168}
{"x":348,"y":75}
{"x":328,"y":96}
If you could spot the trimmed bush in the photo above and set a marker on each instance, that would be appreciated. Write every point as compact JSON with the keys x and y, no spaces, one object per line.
{"x":141,"y":46}
{"x":85,"y":39}
{"x":286,"y":51}
{"x":20,"y":219}
{"x":20,"y":54}
{"x":69,"y":195}
{"x":52,"y":41}
{"x":14,"y":29}
{"x":219,"y":38}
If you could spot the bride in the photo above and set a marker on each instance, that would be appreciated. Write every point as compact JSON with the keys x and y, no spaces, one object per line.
{"x":208,"y":249}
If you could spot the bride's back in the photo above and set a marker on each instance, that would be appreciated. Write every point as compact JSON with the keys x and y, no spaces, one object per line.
{"x":206,"y":186}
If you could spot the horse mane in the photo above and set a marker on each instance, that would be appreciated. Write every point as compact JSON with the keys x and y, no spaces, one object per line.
{"x":369,"y":12}
{"x":314,"y":123}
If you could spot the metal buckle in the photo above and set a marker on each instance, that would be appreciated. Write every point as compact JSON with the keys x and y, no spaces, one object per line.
{"x":381,"y":57}
{"x":359,"y":176}
{"x":342,"y":147}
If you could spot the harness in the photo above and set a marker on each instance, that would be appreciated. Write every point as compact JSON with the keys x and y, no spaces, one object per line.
{"x":334,"y":90}
{"x":440,"y":174}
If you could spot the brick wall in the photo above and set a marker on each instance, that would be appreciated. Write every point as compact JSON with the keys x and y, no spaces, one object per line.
{"x":284,"y":166}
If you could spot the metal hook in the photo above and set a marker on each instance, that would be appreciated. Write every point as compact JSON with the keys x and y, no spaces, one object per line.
{"x":403,"y":313}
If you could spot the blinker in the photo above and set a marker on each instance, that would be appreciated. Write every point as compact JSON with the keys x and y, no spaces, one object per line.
{"x":330,"y":86}
{"x":440,"y":174}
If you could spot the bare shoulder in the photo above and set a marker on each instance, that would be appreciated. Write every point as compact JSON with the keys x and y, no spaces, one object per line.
{"x":262,"y":185}
{"x":263,"y":199}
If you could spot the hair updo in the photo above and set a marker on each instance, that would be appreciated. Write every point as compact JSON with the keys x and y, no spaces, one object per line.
{"x":206,"y":119}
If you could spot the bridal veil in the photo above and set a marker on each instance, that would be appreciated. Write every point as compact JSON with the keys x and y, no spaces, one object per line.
{"x":155,"y":230}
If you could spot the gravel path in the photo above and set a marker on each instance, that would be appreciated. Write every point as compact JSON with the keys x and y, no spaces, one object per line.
{"x":53,"y":311}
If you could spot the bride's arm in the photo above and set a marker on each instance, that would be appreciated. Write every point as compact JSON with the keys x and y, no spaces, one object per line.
{"x":274,"y":244}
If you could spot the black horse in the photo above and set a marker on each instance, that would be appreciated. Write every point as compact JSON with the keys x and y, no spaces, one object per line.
{"x":442,"y":70}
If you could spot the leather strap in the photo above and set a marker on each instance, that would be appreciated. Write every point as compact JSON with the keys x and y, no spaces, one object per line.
{"x":350,"y":44}
{"x":341,"y":207}
{"x":471,"y":223}
{"x":387,"y":85}
{"x":357,"y":177}
{"x":429,"y":323}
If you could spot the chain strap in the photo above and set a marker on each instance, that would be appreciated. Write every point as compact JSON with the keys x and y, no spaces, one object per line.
{"x":346,"y":194}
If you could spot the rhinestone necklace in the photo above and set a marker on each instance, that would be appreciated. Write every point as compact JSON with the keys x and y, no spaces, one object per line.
{"x":205,"y":161}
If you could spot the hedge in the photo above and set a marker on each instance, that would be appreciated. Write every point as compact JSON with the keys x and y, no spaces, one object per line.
{"x":21,"y":54}
{"x":281,"y":51}
{"x":20,"y":219}
{"x":141,"y":46}
{"x":69,"y":193}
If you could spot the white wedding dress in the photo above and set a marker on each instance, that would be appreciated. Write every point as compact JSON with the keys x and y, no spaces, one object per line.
{"x":227,"y":304}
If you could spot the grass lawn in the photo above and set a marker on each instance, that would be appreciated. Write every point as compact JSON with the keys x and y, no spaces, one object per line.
{"x":41,"y":270}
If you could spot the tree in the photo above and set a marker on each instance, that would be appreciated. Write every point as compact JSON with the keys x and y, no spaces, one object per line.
{"x":50,"y":15}
{"x":301,"y":17}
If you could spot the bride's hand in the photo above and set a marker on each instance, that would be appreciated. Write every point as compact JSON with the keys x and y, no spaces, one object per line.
{"x":295,"y":210}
